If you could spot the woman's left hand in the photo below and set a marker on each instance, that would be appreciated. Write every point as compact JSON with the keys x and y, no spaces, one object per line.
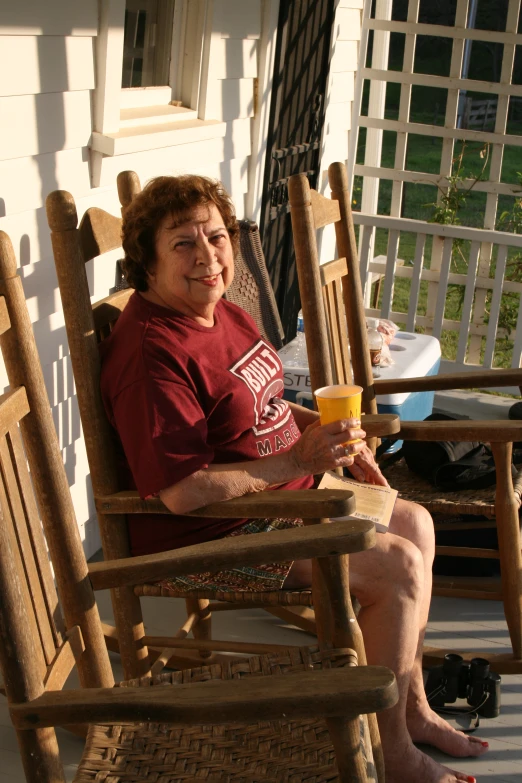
{"x":365,"y":468}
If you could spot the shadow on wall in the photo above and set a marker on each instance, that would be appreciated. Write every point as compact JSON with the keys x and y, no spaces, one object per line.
{"x":26,"y":217}
{"x":66,"y":417}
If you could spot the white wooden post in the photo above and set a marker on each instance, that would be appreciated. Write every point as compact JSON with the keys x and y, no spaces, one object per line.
{"x":496,"y":155}
{"x":109,"y":56}
{"x":260,"y":121}
{"x":448,"y":144}
{"x":372,"y":157}
{"x":404,"y":110}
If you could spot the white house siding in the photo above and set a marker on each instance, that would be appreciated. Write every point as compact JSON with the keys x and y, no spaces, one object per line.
{"x":46,"y":83}
{"x":46,"y":90}
{"x":346,"y":35}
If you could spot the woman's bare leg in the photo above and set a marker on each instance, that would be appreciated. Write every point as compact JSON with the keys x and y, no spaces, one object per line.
{"x":391,"y":603}
{"x":413,"y":522}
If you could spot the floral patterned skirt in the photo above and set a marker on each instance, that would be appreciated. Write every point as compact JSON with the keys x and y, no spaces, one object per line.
{"x":249,"y":578}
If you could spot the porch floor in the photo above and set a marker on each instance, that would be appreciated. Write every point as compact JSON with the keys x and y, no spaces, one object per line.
{"x":468,"y":404}
{"x":455,"y":623}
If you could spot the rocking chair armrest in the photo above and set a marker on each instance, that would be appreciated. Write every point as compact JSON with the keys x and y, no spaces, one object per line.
{"x":302,"y":503}
{"x":278,"y":546}
{"x":378,"y":425}
{"x":457,"y":380}
{"x":345,"y":691}
{"x":497,"y":431}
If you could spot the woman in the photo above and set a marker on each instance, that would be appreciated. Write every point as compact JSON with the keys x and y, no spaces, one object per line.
{"x":196,"y":396}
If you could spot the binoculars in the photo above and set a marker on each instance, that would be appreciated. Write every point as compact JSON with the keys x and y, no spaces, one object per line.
{"x":457,"y":679}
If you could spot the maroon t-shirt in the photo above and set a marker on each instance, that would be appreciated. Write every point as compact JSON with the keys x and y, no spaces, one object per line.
{"x":182,"y":396}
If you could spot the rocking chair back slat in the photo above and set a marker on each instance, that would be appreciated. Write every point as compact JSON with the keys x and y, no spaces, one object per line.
{"x":36,"y":535}
{"x":19,"y":661}
{"x":338,"y":338}
{"x":333,"y":270}
{"x":332,"y":274}
{"x":107,"y":311}
{"x":16,"y":506}
{"x":21,"y":517}
{"x":99,"y":233}
{"x":40,"y":659}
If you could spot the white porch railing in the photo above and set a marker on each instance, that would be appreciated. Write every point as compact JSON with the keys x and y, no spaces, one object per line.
{"x":434,"y":318}
{"x":487,"y":252}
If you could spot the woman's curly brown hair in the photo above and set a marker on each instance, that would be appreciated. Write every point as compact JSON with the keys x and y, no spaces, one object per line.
{"x":162,"y":196}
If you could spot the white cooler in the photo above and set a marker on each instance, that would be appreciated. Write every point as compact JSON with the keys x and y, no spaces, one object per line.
{"x":414,"y":355}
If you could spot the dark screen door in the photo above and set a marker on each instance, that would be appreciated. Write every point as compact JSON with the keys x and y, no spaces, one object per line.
{"x":296,"y":122}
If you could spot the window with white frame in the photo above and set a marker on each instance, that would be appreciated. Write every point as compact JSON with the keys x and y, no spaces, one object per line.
{"x":150,"y":56}
{"x":147,"y":43}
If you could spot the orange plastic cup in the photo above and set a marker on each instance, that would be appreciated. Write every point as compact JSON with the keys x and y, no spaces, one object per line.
{"x":339,"y":402}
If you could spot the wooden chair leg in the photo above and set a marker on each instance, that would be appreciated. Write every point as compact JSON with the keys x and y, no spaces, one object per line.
{"x":337,"y":625}
{"x":302,"y":617}
{"x":39,"y":751}
{"x":345,"y":733}
{"x":131,"y":633}
{"x":508,"y":530}
{"x":347,"y":633}
{"x":203,"y":627}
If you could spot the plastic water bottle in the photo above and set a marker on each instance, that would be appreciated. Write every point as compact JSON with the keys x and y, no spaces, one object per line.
{"x":297,"y":355}
{"x":375,"y":341}
{"x":301,"y":354}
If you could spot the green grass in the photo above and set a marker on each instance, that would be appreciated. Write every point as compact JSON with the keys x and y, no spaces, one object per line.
{"x":424,"y":155}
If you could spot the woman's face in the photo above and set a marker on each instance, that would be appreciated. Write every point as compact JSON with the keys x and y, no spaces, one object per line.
{"x":194,"y":263}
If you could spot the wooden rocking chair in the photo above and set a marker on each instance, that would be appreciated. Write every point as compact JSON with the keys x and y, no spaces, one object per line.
{"x":332,"y":302}
{"x":86,"y":325}
{"x":274,"y":729}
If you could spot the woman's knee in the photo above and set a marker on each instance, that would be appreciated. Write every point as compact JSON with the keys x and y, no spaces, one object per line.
{"x":414,"y":523}
{"x":396,"y":569}
{"x":407,"y":566}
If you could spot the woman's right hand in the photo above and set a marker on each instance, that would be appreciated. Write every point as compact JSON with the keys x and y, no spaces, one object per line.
{"x":321,"y":448}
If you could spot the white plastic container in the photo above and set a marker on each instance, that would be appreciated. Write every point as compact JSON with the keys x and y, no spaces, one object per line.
{"x":414,"y":355}
{"x":295,"y":369}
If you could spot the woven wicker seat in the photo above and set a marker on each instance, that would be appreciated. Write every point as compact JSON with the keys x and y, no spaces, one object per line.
{"x":332,"y":301}
{"x":412,"y":487}
{"x":266,"y":598}
{"x":298,"y":750}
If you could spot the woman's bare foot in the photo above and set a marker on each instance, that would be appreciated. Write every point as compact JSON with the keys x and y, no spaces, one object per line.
{"x":431,"y":729}
{"x":413,"y":766}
